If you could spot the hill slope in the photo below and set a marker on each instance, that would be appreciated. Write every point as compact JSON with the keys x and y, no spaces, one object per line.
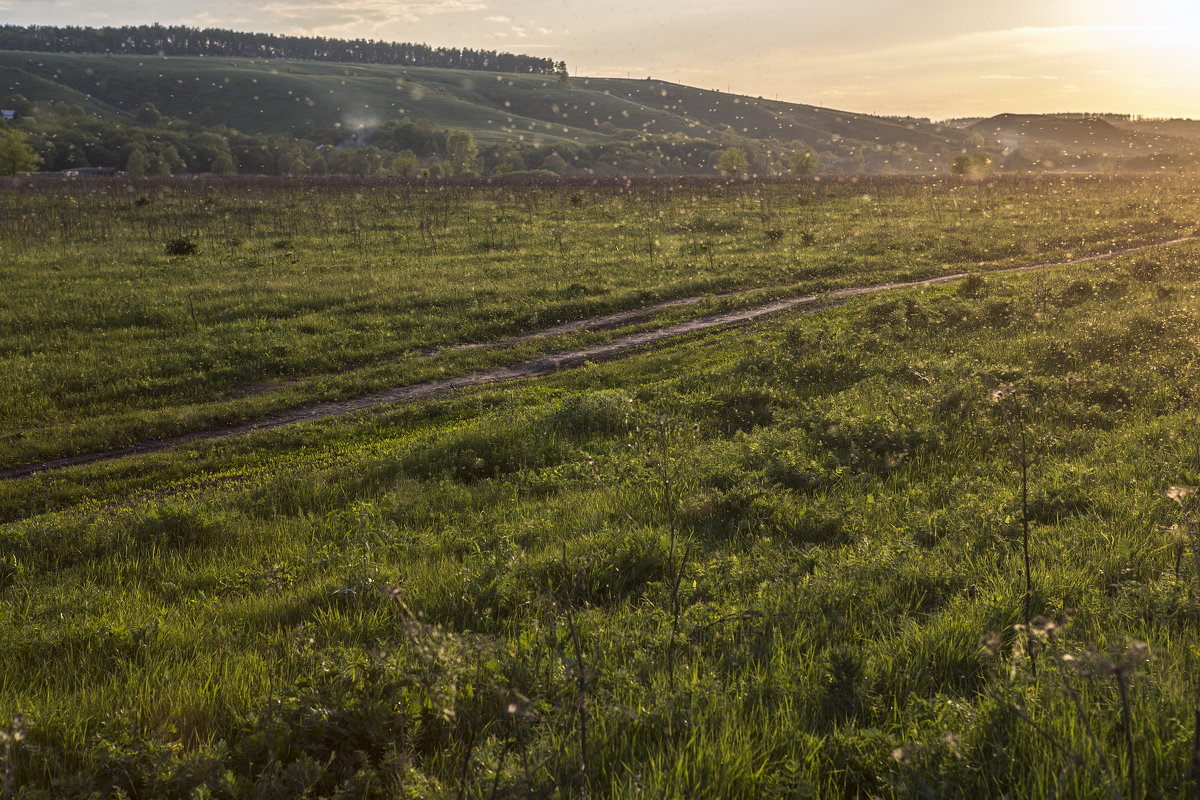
{"x":630,"y":126}
{"x":292,"y":98}
{"x":1084,"y":142}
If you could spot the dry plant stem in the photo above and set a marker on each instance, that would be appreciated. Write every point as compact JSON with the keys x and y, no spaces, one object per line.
{"x":581,"y":682}
{"x":1060,"y":747}
{"x":1196,"y":708}
{"x":466,"y":762}
{"x":525,"y":765}
{"x":500,"y":767}
{"x":7,"y":791}
{"x":1025,"y":532}
{"x":1111,"y":784}
{"x":608,"y":491}
{"x":677,"y":579}
{"x":1127,"y":723}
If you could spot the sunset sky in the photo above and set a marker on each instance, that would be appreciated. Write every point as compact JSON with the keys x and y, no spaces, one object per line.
{"x":921,"y":57}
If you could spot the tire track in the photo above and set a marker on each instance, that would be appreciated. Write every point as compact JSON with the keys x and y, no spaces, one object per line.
{"x":547,"y":364}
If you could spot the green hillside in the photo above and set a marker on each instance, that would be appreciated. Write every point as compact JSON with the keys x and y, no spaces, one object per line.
{"x":304,"y":98}
{"x":595,"y":125}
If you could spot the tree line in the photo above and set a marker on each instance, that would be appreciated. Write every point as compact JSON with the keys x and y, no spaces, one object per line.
{"x":180,"y":40}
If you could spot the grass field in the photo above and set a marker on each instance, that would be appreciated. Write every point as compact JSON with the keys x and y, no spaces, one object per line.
{"x":779,"y":561}
{"x":302,"y":291}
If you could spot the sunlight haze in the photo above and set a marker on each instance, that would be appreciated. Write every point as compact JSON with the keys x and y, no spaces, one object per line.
{"x":931,"y":59}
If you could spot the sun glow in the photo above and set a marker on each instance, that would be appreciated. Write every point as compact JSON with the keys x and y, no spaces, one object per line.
{"x":1166,"y":29}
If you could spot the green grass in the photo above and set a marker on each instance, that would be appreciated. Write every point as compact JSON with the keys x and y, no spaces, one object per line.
{"x":304,"y":291}
{"x":223,"y":621}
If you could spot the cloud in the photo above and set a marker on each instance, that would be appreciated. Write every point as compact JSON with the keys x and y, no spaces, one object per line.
{"x":1003,"y":77}
{"x":307,"y":16}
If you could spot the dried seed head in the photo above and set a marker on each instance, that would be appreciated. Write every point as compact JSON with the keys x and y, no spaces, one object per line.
{"x":954,"y":743}
{"x":519,"y":705}
{"x":1133,"y":660}
{"x":1089,"y":663}
{"x":1044,"y":628}
{"x":904,"y":753}
{"x":1180,"y":493}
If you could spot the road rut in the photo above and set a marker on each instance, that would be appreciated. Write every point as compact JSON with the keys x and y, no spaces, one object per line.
{"x":543,"y":365}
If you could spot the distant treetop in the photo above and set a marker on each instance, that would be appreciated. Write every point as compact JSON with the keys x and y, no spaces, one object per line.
{"x":178,"y":40}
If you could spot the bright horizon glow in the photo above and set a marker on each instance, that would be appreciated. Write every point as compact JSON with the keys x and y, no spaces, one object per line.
{"x":925,"y":58}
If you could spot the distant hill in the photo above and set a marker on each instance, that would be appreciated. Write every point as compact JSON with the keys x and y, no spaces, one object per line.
{"x":1176,"y":128}
{"x":1086,"y":142}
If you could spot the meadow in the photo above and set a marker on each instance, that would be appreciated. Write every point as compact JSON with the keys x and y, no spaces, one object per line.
{"x":927,"y":542}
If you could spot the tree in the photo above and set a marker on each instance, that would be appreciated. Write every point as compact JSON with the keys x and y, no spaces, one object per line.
{"x":971,"y":164}
{"x":560,"y":69}
{"x":291,"y":162}
{"x":175,"y":163}
{"x":159,"y":165}
{"x":733,"y":161}
{"x":137,"y":164}
{"x":148,"y":114}
{"x":461,"y":153}
{"x":16,"y":156}
{"x":223,"y":164}
{"x":405,"y":164}
{"x":19,"y":103}
{"x":804,"y":163}
{"x":366,"y":160}
{"x":555,"y":163}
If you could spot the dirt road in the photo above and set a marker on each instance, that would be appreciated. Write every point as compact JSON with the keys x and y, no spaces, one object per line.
{"x":543,"y":365}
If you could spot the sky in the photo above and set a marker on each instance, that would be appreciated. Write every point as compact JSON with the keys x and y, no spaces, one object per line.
{"x":925,"y":58}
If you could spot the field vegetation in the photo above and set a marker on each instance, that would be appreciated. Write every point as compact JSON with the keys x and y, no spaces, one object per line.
{"x":138,"y":309}
{"x":926,"y":542}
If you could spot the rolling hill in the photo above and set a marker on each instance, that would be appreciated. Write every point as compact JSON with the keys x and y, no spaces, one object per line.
{"x":624,"y":125}
{"x":1085,"y":142}
{"x":307,"y":98}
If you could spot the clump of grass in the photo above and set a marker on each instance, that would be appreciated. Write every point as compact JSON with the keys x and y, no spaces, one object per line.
{"x":972,"y":285}
{"x":181,"y":246}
